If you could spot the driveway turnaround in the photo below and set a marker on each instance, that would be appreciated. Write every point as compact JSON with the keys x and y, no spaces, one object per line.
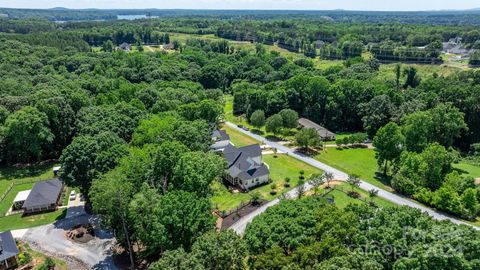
{"x":241,"y":224}
{"x":95,"y":254}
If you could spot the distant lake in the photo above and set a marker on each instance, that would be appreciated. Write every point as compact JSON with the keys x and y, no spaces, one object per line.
{"x":134,"y":17}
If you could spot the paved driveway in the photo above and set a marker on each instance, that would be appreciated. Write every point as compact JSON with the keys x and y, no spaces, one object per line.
{"x":241,"y":224}
{"x":76,"y":207}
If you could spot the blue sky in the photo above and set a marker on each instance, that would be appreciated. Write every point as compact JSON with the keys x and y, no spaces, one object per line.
{"x":250,"y":4}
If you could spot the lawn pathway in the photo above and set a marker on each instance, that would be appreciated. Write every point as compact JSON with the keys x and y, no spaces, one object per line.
{"x":241,"y":224}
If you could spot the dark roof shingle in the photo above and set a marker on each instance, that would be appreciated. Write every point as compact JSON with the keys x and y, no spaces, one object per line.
{"x":8,"y":246}
{"x":44,"y":193}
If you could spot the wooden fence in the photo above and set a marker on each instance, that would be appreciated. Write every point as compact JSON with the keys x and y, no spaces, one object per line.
{"x":10,"y":187}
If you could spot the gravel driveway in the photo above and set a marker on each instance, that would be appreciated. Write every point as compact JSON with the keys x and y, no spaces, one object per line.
{"x":95,"y":254}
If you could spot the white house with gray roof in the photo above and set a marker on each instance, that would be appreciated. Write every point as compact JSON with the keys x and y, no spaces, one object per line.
{"x":245,"y":166}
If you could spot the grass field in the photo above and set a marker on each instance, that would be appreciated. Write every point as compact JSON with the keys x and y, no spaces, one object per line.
{"x":360,"y":161}
{"x":8,"y":200}
{"x":342,"y":199}
{"x":280,"y":167}
{"x":238,"y":138}
{"x":468,"y":169}
{"x":14,"y":222}
{"x":34,"y":173}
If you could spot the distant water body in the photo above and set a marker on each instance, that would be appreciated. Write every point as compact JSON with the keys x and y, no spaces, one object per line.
{"x":134,"y":17}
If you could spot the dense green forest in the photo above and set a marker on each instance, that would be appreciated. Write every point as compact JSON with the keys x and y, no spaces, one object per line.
{"x":132,"y":130}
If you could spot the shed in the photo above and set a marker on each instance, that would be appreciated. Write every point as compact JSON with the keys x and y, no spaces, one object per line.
{"x":44,"y":196}
{"x":20,"y":199}
{"x":324,"y":133}
{"x":125,"y":46}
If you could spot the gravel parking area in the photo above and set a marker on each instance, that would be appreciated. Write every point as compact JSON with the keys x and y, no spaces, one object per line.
{"x":95,"y":254}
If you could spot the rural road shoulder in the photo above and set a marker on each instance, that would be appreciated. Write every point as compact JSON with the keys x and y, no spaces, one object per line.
{"x":240,"y":226}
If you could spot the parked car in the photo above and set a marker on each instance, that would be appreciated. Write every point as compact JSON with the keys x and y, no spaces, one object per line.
{"x":73,"y":195}
{"x":246,"y":128}
{"x":240,"y":126}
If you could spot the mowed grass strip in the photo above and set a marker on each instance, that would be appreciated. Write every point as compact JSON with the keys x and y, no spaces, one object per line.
{"x":14,"y":222}
{"x":239,"y":139}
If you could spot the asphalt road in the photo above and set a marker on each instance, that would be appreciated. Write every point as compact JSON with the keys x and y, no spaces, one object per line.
{"x":240,"y":226}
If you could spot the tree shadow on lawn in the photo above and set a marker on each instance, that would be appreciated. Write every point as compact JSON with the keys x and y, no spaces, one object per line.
{"x":460,"y":171}
{"x":385,"y":179}
{"x":25,"y":170}
{"x":257,"y":131}
{"x":273,"y":138}
{"x":309,"y":152}
{"x":355,"y":146}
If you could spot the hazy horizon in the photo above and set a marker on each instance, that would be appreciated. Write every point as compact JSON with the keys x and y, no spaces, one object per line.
{"x":373,"y":5}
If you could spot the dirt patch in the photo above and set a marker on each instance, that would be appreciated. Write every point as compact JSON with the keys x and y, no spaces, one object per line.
{"x":72,"y":262}
{"x":323,"y":188}
{"x":477,"y":181}
{"x":81,"y":233}
{"x":229,"y":220}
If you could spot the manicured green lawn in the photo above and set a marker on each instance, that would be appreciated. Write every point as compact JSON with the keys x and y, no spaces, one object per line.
{"x":280,"y":167}
{"x":342,"y":199}
{"x":224,"y":200}
{"x":14,"y":222}
{"x":8,"y":200}
{"x":239,"y":139}
{"x":468,"y":169}
{"x":360,"y":161}
{"x":35,"y":172}
{"x":340,"y":136}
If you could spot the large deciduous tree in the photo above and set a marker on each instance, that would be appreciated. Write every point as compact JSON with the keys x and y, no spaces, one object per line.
{"x":26,"y":135}
{"x":79,"y":160}
{"x":290,"y":118}
{"x":257,"y":119}
{"x":388,"y":144}
{"x":195,"y":171}
{"x":307,"y":137}
{"x":171,"y":221}
{"x":274,"y":124}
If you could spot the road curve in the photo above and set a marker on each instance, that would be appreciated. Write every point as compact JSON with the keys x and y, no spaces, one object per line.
{"x":241,"y":224}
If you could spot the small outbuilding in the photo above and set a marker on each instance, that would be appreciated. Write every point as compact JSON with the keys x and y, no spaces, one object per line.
{"x":125,"y":47}
{"x":56,"y":170}
{"x":20,"y":199}
{"x":8,"y":251}
{"x":324,"y":133}
{"x":44,"y":196}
